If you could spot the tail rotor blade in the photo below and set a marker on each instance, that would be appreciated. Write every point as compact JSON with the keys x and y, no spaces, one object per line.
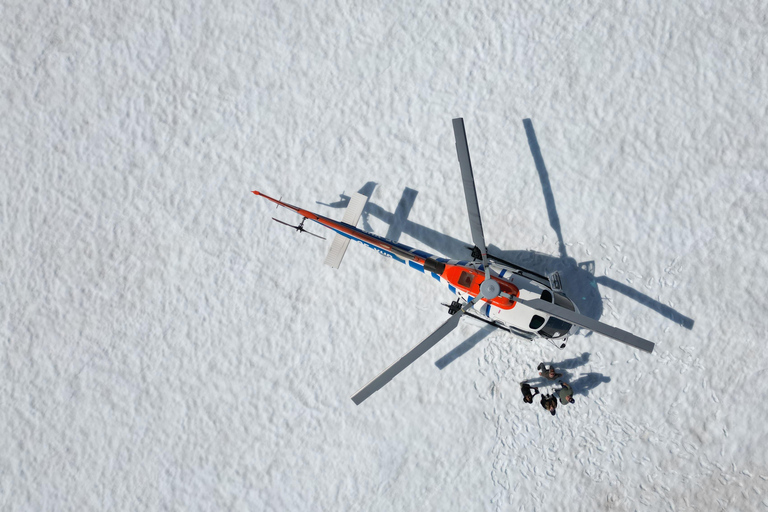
{"x":299,"y":228}
{"x":318,"y":236}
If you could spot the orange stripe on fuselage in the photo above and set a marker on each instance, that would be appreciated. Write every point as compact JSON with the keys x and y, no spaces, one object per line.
{"x":468,"y":280}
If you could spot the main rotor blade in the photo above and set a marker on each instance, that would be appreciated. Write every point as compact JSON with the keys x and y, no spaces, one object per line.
{"x":413,"y":354}
{"x":473,"y":209}
{"x":409,"y":357}
{"x":588,"y":323}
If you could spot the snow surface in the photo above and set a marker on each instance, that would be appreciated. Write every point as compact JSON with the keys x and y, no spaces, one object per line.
{"x":167,"y":346}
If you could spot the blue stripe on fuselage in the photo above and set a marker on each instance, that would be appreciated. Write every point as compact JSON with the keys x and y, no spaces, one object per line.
{"x":385,"y":252}
{"x":367,"y":244}
{"x":415,"y":265}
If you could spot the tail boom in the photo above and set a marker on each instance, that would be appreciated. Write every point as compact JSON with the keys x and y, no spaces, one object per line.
{"x":395,"y":250}
{"x":456,"y":274}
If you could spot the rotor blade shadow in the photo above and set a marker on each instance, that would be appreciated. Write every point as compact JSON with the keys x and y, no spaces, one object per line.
{"x":546,"y":187}
{"x":399,"y":223}
{"x":444,"y":244}
{"x":646,"y":301}
{"x":401,"y":214}
{"x":464,"y":347}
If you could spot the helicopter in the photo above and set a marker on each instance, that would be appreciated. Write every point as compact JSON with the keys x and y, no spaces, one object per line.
{"x":499,"y":293}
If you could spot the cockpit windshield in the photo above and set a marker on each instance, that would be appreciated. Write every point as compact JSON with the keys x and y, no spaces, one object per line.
{"x":556,"y":328}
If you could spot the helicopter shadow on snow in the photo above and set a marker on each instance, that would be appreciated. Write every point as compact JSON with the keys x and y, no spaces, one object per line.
{"x":578,"y":280}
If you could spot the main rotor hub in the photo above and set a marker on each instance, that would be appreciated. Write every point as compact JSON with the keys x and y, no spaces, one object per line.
{"x":490,"y":289}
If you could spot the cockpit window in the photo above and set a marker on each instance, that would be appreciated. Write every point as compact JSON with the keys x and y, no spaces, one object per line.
{"x":465,"y":279}
{"x":555,"y":327}
{"x":546,"y":296}
{"x":563,"y":301}
{"x":536,"y":322}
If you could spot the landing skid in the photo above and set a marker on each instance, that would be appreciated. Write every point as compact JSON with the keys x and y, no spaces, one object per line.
{"x":455,"y":306}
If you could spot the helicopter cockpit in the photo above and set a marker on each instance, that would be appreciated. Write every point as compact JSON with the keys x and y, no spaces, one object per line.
{"x":556,"y":328}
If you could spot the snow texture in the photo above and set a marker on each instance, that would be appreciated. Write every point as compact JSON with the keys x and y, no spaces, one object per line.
{"x":167,"y":346}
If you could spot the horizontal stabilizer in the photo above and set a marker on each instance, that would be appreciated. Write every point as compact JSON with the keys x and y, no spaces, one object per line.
{"x":340,"y":243}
